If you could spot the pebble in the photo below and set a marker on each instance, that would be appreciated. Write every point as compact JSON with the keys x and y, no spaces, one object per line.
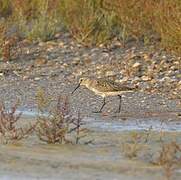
{"x":37,"y":78}
{"x":136,"y":65}
{"x":40,"y":62}
{"x":148,"y":68}
{"x":145,"y":78}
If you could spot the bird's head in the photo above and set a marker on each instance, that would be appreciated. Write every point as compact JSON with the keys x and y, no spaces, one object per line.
{"x":82,"y":81}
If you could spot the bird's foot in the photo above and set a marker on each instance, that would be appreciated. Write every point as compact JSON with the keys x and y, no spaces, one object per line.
{"x":97,"y":111}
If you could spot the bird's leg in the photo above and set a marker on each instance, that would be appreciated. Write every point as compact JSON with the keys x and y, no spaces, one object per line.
{"x":120,"y":100}
{"x":104,"y":103}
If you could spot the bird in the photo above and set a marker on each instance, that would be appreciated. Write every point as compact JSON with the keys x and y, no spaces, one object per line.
{"x":104,"y":88}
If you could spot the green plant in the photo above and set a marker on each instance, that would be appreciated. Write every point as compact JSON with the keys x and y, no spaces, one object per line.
{"x":5,"y":8}
{"x":35,"y":20}
{"x":44,"y":28}
{"x":86,"y":21}
{"x":45,"y":25}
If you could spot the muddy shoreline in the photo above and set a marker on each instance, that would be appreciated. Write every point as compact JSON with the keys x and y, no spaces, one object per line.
{"x":56,"y":66}
{"x":102,"y":159}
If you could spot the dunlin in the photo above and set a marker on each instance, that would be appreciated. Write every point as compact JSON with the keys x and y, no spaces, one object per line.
{"x":104,"y":88}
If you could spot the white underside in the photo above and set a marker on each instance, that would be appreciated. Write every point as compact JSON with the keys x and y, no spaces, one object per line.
{"x":104,"y":94}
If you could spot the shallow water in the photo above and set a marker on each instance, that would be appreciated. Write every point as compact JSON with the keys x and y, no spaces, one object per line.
{"x":117,"y":124}
{"x":134,"y":125}
{"x":102,"y":160}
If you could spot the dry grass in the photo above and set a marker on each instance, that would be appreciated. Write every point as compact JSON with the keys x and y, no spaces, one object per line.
{"x":5,"y":8}
{"x":132,"y":15}
{"x":35,"y":20}
{"x":8,"y":42}
{"x":168,"y":23}
{"x":149,"y":20}
{"x":95,"y":22}
{"x":2,"y":31}
{"x":86,"y":21}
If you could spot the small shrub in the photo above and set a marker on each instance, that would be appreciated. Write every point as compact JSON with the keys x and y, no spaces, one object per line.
{"x":170,"y":156}
{"x":58,"y":125}
{"x":43,"y":28}
{"x":43,"y":101}
{"x":9,"y":130}
{"x":52,"y":128}
{"x":132,"y":147}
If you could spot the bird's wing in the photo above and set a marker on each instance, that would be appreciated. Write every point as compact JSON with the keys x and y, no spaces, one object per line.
{"x":114,"y":86}
{"x":104,"y":85}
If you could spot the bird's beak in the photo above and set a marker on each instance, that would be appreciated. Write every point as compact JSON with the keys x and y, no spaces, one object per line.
{"x":76,"y":88}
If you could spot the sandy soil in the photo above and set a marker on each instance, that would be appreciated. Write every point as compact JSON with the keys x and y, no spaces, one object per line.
{"x":56,"y":66}
{"x":104,"y":159}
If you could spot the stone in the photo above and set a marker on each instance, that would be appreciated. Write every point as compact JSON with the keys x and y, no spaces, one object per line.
{"x":136,"y":65}
{"x":40,"y":62}
{"x":145,"y":78}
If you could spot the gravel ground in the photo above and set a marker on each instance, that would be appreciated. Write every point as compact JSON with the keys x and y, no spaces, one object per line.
{"x":56,"y":66}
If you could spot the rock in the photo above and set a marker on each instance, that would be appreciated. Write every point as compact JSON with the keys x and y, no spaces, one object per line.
{"x":51,"y":63}
{"x":41,"y":44}
{"x":125,"y":79}
{"x":110,"y":73}
{"x":36,"y":78}
{"x":146,"y":57}
{"x":51,"y":43}
{"x":145,"y":78}
{"x":179,"y":85}
{"x":76,"y":61}
{"x":61,"y":44}
{"x":136,"y":65}
{"x":57,"y":35}
{"x":25,"y":77}
{"x":174,"y":68}
{"x":40,"y":62}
